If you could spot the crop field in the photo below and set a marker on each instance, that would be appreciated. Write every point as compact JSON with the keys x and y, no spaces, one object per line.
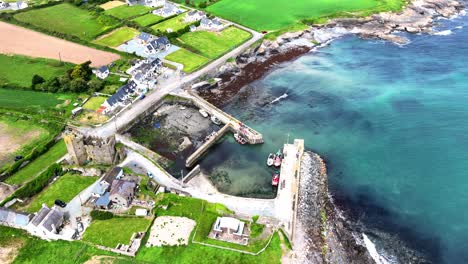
{"x":190,"y":60}
{"x":21,"y":100}
{"x":19,"y":70}
{"x":65,"y":188}
{"x":111,"y":4}
{"x":147,"y":20}
{"x":45,"y":46}
{"x":116,"y":230}
{"x":68,"y":19}
{"x":125,"y":11}
{"x":41,"y":163}
{"x":16,"y":134}
{"x":175,"y":24}
{"x":117,"y":37}
{"x":278,"y":14}
{"x":94,"y":103}
{"x":214,"y":44}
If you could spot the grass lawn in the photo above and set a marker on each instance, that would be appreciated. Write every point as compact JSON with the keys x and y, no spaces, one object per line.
{"x":68,"y":19}
{"x":21,"y":100}
{"x":41,"y":163}
{"x":117,"y":37}
{"x":274,"y":15}
{"x":65,"y":188}
{"x":190,"y":60}
{"x":19,"y":70}
{"x":125,"y":11}
{"x":211,"y":44}
{"x":94,"y":103}
{"x":17,"y":135}
{"x":113,"y":231}
{"x":174,"y":23}
{"x":147,"y":20}
{"x":35,"y":250}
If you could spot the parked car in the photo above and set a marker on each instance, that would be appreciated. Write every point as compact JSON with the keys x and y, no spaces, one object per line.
{"x":60,"y":203}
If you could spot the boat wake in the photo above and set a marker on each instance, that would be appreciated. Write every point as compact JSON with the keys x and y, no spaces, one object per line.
{"x":443,"y":33}
{"x":284,"y":96}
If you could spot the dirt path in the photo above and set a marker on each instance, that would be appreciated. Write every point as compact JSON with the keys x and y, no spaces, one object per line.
{"x":9,"y":252}
{"x":18,"y":40}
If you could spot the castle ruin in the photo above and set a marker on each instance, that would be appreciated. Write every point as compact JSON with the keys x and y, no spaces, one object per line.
{"x":89,"y":149}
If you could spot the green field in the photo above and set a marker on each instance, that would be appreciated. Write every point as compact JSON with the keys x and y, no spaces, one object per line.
{"x":19,"y":70}
{"x":68,"y":19}
{"x":211,"y":44}
{"x":175,"y":23}
{"x":190,"y":60}
{"x":35,"y":167}
{"x":113,"y":231}
{"x":21,"y":100}
{"x":117,"y":37}
{"x":65,"y":188}
{"x":94,"y":103}
{"x":125,"y":11}
{"x":278,"y":14}
{"x":147,"y":20}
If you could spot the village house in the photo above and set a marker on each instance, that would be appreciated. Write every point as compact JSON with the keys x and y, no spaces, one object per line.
{"x":122,"y":193}
{"x":145,"y":72}
{"x":194,"y":15}
{"x":157,"y":45}
{"x":154,"y":3}
{"x":47,"y":221}
{"x":119,"y":99}
{"x":169,"y":9}
{"x":102,"y":72}
{"x":19,"y":5}
{"x":145,"y":38}
{"x":211,"y":24}
{"x":102,"y":189}
{"x":13,"y":218}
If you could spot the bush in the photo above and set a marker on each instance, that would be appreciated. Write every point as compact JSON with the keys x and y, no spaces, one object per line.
{"x":101,"y":215}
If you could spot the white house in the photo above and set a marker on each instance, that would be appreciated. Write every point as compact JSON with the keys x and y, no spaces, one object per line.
{"x":144,"y":38}
{"x":21,"y":5}
{"x":211,"y":24}
{"x":157,"y":45}
{"x":229,"y":225}
{"x":154,"y":3}
{"x":102,"y":72}
{"x":120,"y":98}
{"x":4,"y":5}
{"x":169,"y":9}
{"x":122,"y":192}
{"x":194,"y":15}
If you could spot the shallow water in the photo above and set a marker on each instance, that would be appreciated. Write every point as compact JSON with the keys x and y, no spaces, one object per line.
{"x":391,"y":122}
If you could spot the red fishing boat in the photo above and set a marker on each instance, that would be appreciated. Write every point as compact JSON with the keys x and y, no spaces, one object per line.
{"x":275,"y":179}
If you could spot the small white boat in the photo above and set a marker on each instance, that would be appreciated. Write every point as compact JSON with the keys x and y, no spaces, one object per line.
{"x":203,"y":113}
{"x":182,"y":108}
{"x":270,"y":160}
{"x":215,"y":120}
{"x":241,"y":140}
{"x":277,"y":161}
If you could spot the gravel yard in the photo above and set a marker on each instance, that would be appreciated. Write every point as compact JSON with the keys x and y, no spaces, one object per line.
{"x":170,"y":231}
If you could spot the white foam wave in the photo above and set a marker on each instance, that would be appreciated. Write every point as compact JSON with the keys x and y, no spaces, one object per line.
{"x":285,"y":95}
{"x":459,"y":27}
{"x":443,"y":32}
{"x":379,"y":259}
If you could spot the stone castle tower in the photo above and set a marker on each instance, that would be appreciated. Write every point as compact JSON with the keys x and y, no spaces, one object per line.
{"x":84,"y":149}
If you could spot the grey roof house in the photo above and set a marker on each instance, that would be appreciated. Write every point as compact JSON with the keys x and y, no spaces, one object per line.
{"x":47,"y":221}
{"x":159,"y":44}
{"x":167,"y":10}
{"x":122,"y":192}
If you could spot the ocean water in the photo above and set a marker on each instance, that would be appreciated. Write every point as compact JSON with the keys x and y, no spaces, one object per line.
{"x":391,"y":122}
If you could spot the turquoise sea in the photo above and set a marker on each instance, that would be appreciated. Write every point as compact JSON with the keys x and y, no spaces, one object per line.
{"x":390,"y":121}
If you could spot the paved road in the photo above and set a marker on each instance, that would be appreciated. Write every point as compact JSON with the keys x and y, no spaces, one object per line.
{"x":140,"y":106}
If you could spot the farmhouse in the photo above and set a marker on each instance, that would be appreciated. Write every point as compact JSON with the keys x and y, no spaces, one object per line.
{"x":154,"y":3}
{"x":194,"y":15}
{"x":47,"y":221}
{"x":157,"y":45}
{"x":4,"y":5}
{"x":102,"y":72}
{"x":211,"y":24}
{"x":122,"y":192}
{"x":167,"y":10}
{"x":14,"y":219}
{"x":120,"y":98}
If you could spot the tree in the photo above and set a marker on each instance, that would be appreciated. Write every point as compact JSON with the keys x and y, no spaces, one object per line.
{"x":36,"y":79}
{"x":202,"y":5}
{"x":95,"y":85}
{"x":52,"y":85}
{"x":78,"y":85}
{"x":78,"y":72}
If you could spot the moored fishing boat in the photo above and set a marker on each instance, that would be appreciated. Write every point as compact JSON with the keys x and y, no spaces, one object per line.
{"x":241,"y":140}
{"x":215,"y":120}
{"x":203,"y":113}
{"x":275,"y":178}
